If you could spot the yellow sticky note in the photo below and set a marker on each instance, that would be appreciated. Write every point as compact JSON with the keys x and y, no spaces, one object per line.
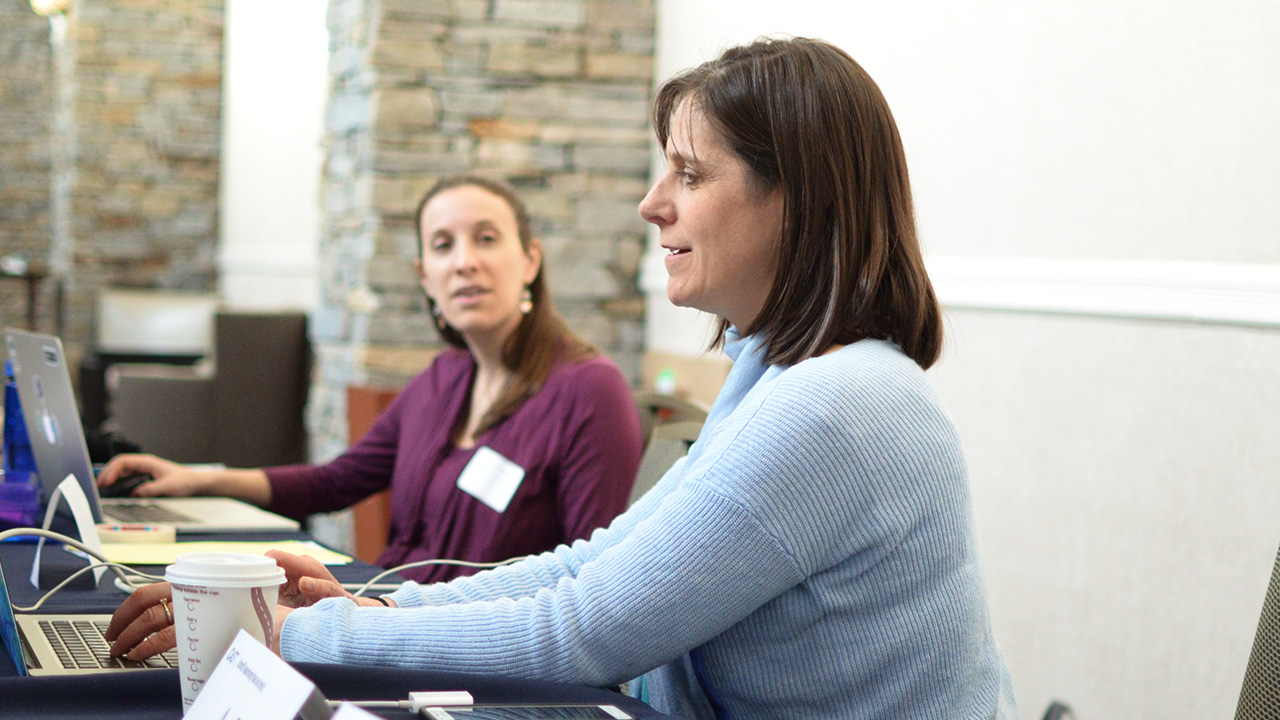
{"x":167,"y":553}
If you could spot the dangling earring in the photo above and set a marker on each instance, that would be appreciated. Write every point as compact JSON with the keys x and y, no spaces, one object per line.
{"x":435,"y":314}
{"x":526,"y":301}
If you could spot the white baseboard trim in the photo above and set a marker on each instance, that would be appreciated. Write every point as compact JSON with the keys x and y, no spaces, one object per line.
{"x":268,"y":267}
{"x":1216,"y":293}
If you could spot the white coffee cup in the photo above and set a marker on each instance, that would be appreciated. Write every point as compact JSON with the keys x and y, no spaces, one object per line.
{"x":215,"y":595}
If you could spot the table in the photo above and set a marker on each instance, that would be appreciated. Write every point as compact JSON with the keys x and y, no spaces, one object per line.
{"x":154,"y":694}
{"x":34,"y":275}
{"x":82,"y":598}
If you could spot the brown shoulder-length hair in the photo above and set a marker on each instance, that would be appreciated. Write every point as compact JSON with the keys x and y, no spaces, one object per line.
{"x":541,"y":340}
{"x":806,"y":119}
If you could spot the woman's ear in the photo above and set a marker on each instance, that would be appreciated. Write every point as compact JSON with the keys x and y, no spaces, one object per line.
{"x":534,"y":253}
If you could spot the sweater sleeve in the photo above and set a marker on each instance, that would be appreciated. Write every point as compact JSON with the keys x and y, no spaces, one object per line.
{"x":619,"y":612}
{"x":803,"y":475}
{"x":622,"y":613}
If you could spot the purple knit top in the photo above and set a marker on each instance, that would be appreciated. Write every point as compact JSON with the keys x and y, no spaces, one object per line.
{"x":577,"y":440}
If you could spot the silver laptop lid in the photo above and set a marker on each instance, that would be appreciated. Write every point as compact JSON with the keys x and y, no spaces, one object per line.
{"x":57,"y":441}
{"x":50,"y":412}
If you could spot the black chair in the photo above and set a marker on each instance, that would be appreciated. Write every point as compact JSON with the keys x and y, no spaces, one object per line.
{"x":245,"y":409}
{"x":1260,"y":695}
{"x":1058,"y":710}
{"x":659,"y":408}
{"x":666,"y":444}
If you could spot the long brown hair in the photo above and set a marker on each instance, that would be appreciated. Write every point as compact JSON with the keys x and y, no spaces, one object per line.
{"x":806,"y":118}
{"x":541,"y":340}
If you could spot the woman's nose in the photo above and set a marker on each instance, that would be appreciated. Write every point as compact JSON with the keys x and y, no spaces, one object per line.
{"x":464,"y":257}
{"x":655,"y":208}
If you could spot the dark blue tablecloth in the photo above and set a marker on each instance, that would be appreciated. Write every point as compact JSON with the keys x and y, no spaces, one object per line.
{"x":154,"y":694}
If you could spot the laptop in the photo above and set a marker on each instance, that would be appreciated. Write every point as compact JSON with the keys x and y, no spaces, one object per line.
{"x":57,"y":441}
{"x":64,"y":644}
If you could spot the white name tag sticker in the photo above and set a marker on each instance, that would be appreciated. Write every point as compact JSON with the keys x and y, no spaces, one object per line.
{"x":491,"y":478}
{"x":253,"y":682}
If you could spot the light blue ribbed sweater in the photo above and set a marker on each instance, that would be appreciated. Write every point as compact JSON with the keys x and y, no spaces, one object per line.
{"x":816,"y":545}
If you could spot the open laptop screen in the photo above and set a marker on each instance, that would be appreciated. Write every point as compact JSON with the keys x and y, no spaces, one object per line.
{"x":50,"y":411}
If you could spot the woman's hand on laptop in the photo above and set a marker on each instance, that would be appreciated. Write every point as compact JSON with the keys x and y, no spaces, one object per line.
{"x":170,"y":478}
{"x":174,"y":480}
{"x":141,"y":627}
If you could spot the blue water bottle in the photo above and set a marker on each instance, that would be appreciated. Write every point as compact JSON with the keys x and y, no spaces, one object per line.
{"x":18,"y":460}
{"x":20,"y":491}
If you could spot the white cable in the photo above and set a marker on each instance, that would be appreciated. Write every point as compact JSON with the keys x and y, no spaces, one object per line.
{"x":417,"y":701}
{"x":117,"y":568}
{"x":78,"y":573}
{"x":361,"y":589}
{"x":366,"y":587}
{"x":22,"y":532}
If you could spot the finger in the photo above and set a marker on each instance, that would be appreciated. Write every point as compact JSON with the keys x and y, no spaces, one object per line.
{"x":127,"y":464}
{"x":112,"y":470}
{"x":135,"y":605}
{"x":168,"y":481}
{"x":289,"y":561}
{"x":297,"y":566}
{"x":163,"y":641}
{"x":305,"y":566}
{"x":153,"y":620}
{"x":316,"y":590}
{"x":153,"y":488}
{"x":290,"y":596}
{"x":281,"y":557}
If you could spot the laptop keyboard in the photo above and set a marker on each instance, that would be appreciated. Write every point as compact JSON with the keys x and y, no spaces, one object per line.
{"x":143,"y":512}
{"x":79,"y":644}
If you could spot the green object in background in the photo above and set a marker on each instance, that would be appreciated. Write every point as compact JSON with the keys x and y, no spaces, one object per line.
{"x":665,"y":382}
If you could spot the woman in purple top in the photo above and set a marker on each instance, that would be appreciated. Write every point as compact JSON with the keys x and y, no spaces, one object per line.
{"x":517,"y":439}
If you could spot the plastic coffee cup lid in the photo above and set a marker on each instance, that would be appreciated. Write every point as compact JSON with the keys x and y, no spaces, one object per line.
{"x":224,"y":570}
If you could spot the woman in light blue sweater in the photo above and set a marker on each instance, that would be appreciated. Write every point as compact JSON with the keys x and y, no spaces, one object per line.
{"x":813,"y":556}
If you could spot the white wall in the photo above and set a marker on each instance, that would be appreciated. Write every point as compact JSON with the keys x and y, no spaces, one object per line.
{"x":1095,"y":187}
{"x":274,"y":90}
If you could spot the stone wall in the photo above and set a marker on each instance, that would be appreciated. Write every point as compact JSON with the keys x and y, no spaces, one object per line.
{"x":551,"y":96}
{"x":26,"y":112}
{"x":142,"y":94}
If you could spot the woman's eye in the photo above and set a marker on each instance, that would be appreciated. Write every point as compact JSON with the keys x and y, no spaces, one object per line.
{"x":489,"y":238}
{"x":687,"y":178}
{"x":440,"y":245}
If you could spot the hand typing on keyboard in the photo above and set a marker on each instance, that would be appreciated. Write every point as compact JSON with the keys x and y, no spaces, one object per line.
{"x":141,"y":627}
{"x":123,"y":486}
{"x":171,"y":479}
{"x":148,"y":476}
